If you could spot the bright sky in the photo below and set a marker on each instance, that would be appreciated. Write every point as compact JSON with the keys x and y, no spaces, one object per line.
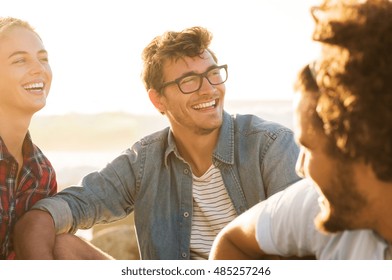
{"x":95,"y":46}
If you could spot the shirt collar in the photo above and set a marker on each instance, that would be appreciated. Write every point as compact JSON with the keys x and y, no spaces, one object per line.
{"x":27,"y":148}
{"x":224,"y":150}
{"x":33,"y":157}
{"x":30,"y":153}
{"x":171,"y":147}
{"x":4,"y":154}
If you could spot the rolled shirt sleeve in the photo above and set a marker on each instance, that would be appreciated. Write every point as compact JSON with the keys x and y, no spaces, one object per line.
{"x":59,"y":210}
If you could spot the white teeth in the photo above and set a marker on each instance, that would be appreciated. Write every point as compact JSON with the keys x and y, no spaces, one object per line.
{"x":33,"y":86}
{"x":204,"y":105}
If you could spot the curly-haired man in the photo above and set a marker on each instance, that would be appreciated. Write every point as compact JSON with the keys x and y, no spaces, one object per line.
{"x":343,"y":123}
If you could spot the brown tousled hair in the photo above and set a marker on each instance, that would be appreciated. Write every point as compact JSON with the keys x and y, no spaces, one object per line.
{"x":172,"y":45}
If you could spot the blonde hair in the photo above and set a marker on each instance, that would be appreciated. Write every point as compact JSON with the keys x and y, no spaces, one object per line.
{"x":7,"y":23}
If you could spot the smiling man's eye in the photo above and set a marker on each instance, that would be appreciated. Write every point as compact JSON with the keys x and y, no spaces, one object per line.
{"x":189,"y":79}
{"x":213,"y":72}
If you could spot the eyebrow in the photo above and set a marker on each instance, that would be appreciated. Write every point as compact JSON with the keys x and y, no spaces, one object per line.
{"x":24,"y":52}
{"x":194,"y":73}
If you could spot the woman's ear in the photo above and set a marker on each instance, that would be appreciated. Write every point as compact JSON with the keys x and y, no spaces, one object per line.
{"x":156,"y":99}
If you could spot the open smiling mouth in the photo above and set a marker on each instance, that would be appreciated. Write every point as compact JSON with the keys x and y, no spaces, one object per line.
{"x":206,"y":105}
{"x":34,"y":87}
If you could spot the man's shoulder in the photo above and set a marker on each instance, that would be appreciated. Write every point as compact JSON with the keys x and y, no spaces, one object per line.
{"x":158,"y":136}
{"x":250,"y":123}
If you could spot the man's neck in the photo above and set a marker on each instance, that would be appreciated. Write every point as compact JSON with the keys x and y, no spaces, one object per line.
{"x":197,"y":150}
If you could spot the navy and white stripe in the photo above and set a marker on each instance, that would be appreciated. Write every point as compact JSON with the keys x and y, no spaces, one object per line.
{"x":212,"y":210}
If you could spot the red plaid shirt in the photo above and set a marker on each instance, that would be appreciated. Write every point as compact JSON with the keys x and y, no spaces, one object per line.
{"x":37,"y":180}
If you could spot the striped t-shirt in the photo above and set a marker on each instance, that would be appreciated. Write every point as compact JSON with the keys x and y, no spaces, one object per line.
{"x":212,"y":210}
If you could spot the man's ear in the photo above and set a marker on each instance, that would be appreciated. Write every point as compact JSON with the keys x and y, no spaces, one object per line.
{"x":156,"y":99}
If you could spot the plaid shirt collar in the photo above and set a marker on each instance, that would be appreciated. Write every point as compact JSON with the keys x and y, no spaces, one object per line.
{"x":29,"y":153}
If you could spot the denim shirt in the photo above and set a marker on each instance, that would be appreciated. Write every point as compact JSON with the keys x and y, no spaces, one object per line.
{"x":256,"y":159}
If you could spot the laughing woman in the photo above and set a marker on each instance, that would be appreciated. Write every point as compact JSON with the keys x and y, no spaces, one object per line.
{"x":26,"y":175}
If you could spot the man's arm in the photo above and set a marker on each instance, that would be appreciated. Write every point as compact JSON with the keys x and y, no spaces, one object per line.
{"x":281,"y":224}
{"x":237,"y":240}
{"x":34,"y":236}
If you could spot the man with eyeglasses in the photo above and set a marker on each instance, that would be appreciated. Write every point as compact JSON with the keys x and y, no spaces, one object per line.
{"x":184,"y":183}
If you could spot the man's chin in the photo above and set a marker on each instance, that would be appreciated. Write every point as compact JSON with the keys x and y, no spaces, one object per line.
{"x":326,"y":223}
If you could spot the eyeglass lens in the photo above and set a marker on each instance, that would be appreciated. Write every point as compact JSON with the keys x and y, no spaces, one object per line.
{"x":193,"y":83}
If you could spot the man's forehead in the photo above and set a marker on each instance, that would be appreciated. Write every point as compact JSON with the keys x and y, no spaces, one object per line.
{"x":182,"y":65}
{"x":186,"y":60}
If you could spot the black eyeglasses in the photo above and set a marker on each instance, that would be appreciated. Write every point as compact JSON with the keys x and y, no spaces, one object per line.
{"x":192,"y":82}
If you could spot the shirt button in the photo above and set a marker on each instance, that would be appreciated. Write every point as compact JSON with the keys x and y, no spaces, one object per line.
{"x":183,"y":255}
{"x":186,"y":214}
{"x":186,"y":171}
